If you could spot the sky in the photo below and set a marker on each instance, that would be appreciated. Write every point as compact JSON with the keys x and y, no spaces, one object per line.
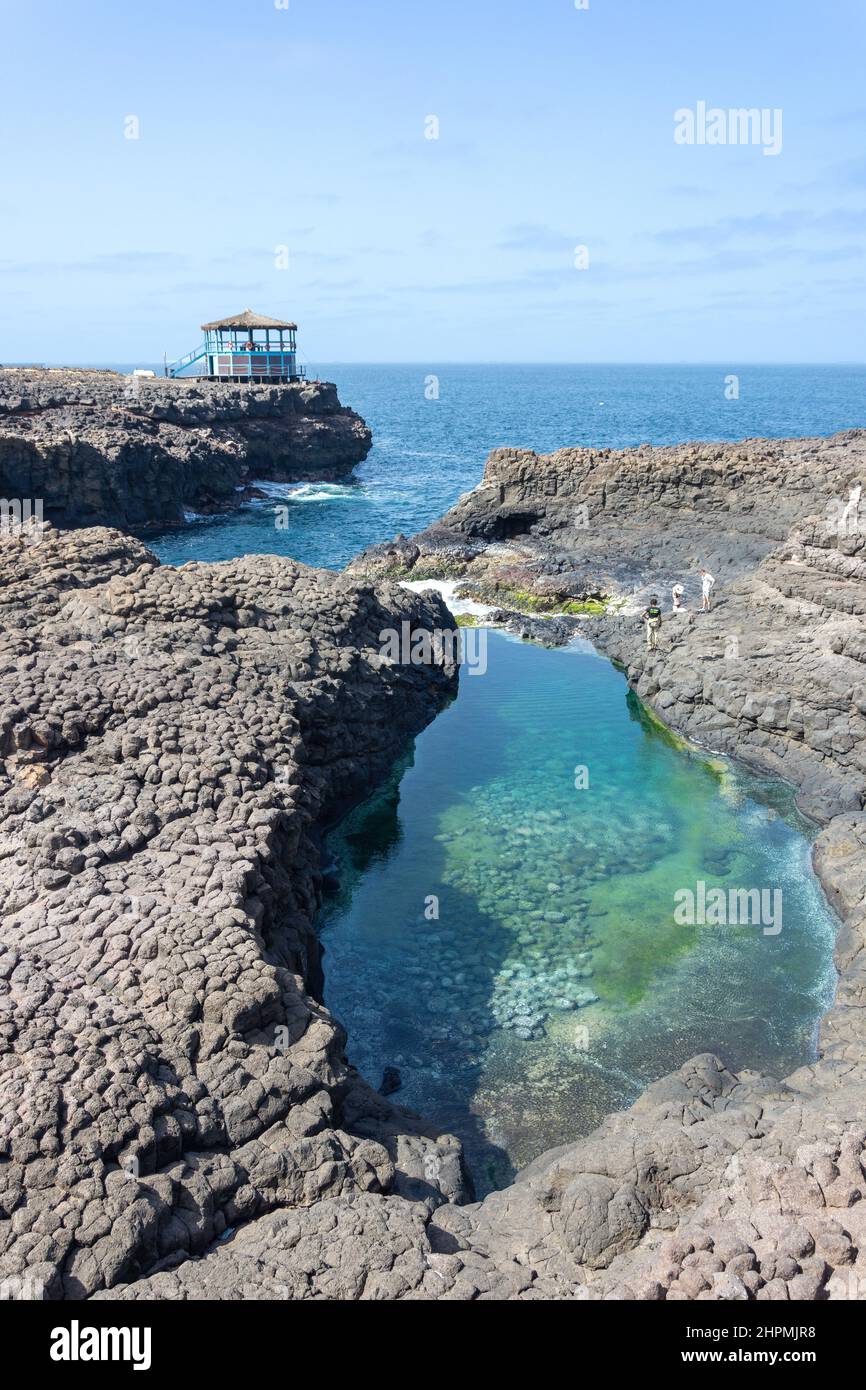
{"x":433,"y":180}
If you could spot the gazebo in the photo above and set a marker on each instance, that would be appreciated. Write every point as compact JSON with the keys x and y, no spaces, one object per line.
{"x":245,"y":347}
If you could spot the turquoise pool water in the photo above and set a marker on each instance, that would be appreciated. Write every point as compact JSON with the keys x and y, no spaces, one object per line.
{"x":555,"y":981}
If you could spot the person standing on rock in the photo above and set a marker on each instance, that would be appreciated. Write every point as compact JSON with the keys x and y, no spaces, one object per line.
{"x":652,"y":616}
{"x":677,"y":597}
{"x":707,"y":582}
{"x":850,"y":523}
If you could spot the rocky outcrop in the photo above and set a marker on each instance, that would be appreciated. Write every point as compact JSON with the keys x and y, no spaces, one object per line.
{"x":713,"y":1185}
{"x":583,"y":522}
{"x":96,"y":447}
{"x":173,"y":741}
{"x":164,"y":1141}
{"x":775,"y":673}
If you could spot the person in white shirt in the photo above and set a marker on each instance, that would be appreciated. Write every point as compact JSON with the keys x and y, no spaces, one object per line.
{"x":850,"y":521}
{"x":707,"y":582}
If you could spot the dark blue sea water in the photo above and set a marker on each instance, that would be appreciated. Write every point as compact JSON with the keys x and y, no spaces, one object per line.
{"x":426,"y":452}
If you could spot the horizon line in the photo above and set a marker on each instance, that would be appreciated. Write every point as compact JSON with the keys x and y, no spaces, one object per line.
{"x":486,"y":362}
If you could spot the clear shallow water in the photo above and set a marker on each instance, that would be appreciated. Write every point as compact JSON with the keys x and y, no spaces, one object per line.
{"x":426,"y":453}
{"x":547,"y":895}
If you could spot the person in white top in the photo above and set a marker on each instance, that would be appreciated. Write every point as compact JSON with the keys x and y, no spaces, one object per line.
{"x":707,"y":582}
{"x":850,"y":522}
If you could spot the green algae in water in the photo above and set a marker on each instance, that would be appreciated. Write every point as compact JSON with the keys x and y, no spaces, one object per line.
{"x":549,"y":820}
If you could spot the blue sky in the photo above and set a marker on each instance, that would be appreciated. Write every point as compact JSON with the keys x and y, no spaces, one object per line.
{"x":304,"y":127}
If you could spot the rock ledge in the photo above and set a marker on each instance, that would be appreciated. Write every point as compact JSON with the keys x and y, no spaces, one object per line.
{"x":99,"y":448}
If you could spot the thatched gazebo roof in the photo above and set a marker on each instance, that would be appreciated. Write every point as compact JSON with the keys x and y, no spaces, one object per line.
{"x":248,"y":320}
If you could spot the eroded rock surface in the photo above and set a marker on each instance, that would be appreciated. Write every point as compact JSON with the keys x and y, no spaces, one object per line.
{"x":286,"y":1177}
{"x":579,"y":523}
{"x":98,"y":448}
{"x":172,"y":742}
{"x":712,"y":1185}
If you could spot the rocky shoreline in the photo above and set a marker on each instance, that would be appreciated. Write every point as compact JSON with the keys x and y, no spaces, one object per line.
{"x":98,"y":448}
{"x":773,"y":675}
{"x":556,"y":533}
{"x":172,"y":739}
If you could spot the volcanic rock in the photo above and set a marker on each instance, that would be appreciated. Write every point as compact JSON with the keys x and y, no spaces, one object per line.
{"x":96,"y":447}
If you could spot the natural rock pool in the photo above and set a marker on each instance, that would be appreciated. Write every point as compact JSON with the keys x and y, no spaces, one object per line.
{"x":555,"y":982}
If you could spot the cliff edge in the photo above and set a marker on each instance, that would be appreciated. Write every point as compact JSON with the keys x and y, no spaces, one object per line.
{"x":98,"y":448}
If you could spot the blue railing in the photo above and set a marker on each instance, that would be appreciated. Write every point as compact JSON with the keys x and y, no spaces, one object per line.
{"x":175,"y":368}
{"x":258,"y":362}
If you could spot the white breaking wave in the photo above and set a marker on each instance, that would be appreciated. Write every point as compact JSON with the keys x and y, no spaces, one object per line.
{"x":448,"y":589}
{"x":310,"y":492}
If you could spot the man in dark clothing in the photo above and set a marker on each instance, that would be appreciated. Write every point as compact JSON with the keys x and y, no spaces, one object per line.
{"x":652,"y":616}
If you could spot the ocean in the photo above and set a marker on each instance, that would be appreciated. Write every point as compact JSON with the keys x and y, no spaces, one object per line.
{"x":428,"y":450}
